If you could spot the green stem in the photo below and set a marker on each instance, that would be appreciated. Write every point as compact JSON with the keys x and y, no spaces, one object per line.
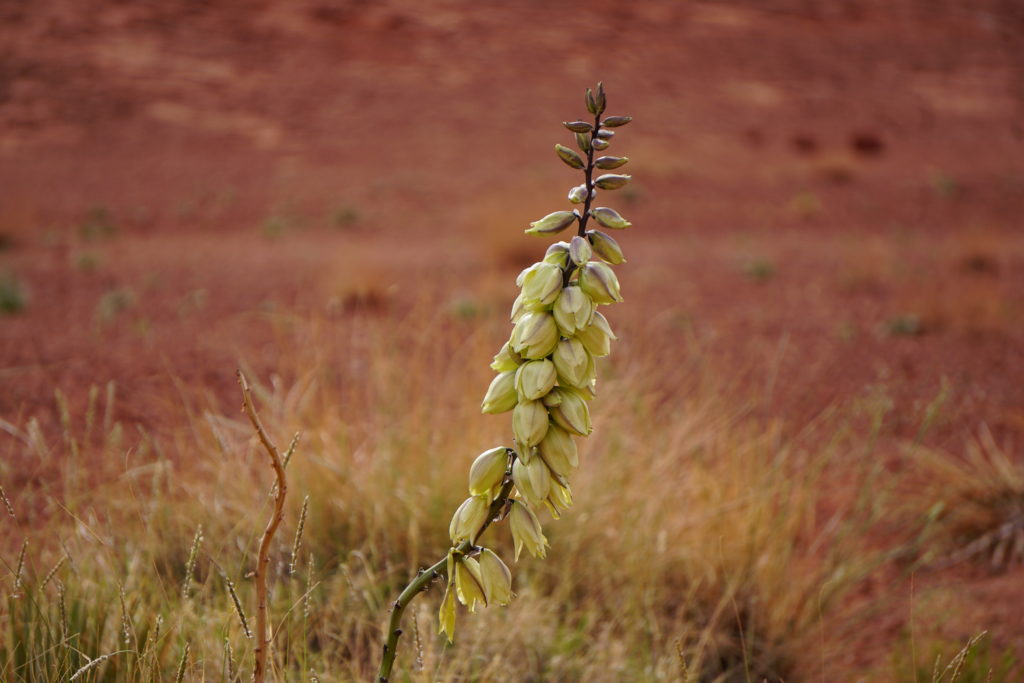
{"x":427,"y":576}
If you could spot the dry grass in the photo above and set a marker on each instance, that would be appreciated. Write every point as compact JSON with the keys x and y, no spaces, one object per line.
{"x":702,"y":536}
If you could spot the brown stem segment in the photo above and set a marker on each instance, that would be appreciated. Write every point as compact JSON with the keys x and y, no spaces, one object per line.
{"x":427,"y":576}
{"x":570,"y":267}
{"x":263,"y":558}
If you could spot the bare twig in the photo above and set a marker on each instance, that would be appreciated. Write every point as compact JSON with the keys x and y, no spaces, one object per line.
{"x":263,"y":558}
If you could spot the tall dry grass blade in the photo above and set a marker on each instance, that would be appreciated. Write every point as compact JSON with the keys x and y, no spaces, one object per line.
{"x":93,"y":663}
{"x":7,"y":503}
{"x":298,"y":535}
{"x":182,"y":664}
{"x":190,"y":565}
{"x":238,"y":606}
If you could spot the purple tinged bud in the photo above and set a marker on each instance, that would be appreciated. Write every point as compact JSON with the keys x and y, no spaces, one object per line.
{"x":552,"y":223}
{"x":616,"y":121}
{"x":600,"y":144}
{"x":608,"y":163}
{"x":570,"y":157}
{"x":579,"y":250}
{"x":598,"y":281}
{"x":611,"y":181}
{"x":578,"y":194}
{"x":609,"y":218}
{"x":605,"y":247}
{"x":578,"y":126}
{"x":583,"y":141}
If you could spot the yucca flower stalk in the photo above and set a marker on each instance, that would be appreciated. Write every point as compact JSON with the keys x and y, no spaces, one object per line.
{"x":546,"y":377}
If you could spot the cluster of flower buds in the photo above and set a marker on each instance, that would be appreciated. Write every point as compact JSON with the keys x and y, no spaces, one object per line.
{"x":546,"y":375}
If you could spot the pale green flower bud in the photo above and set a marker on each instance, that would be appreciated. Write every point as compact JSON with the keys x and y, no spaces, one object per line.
{"x":506,"y":360}
{"x":578,"y":194}
{"x":541,"y":285}
{"x":609,"y":218}
{"x":608,"y":163}
{"x":606,"y":134}
{"x":445,"y":615}
{"x":557,"y":253}
{"x":526,"y":530}
{"x":616,"y":121}
{"x":568,"y":410}
{"x":570,"y":157}
{"x":501,"y":394}
{"x":583,"y":141}
{"x":578,"y":126}
{"x":599,"y":144}
{"x":579,"y":251}
{"x":487,"y":472}
{"x":533,"y":480}
{"x":591,"y":102}
{"x":468,"y":519}
{"x":535,"y":378}
{"x":599,"y":282}
{"x":552,"y":223}
{"x":573,"y":310}
{"x":559,"y":498}
{"x":611,"y":181}
{"x":529,"y":423}
{"x":559,"y":451}
{"x":572,"y":363}
{"x":605,"y":247}
{"x":497,"y":578}
{"x":535,"y":335}
{"x":469,"y":583}
{"x":518,"y":308}
{"x":597,"y":336}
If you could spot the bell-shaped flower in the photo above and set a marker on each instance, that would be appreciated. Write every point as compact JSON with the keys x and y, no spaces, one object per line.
{"x":487,"y":472}
{"x":469,"y":583}
{"x":559,"y":498}
{"x":558,"y":254}
{"x":535,"y":335}
{"x":501,"y":394}
{"x":526,"y":530}
{"x":533,"y":480}
{"x":506,"y":360}
{"x":598,"y":280}
{"x":541,"y":285}
{"x":568,"y":410}
{"x":469,"y":518}
{"x":597,"y":336}
{"x":580,"y":250}
{"x":446,"y":615}
{"x":573,"y":310}
{"x":497,"y":577}
{"x":529,"y":423}
{"x":605,"y":247}
{"x":558,"y":451}
{"x":573,"y":363}
{"x":535,"y":378}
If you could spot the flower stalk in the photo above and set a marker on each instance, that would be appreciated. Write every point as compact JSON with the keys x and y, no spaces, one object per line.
{"x":546,"y":377}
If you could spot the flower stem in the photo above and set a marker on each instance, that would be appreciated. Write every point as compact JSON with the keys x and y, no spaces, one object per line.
{"x":427,"y":576}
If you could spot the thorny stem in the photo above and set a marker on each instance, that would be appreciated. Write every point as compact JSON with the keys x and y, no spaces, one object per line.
{"x":427,"y":576}
{"x":263,"y":558}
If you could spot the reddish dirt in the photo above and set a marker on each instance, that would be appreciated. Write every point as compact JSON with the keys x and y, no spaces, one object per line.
{"x":828,"y":195}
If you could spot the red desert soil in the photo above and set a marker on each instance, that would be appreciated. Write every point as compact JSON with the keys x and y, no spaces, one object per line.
{"x":828,"y":196}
